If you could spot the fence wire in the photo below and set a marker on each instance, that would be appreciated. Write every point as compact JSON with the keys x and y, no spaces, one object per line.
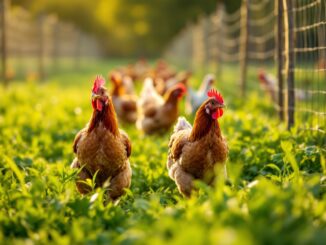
{"x":35,"y":46}
{"x":255,"y":37}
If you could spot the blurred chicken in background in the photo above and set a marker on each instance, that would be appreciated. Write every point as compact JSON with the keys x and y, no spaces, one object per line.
{"x":149,"y":95}
{"x":141,"y":68}
{"x":162,"y":85}
{"x":124,"y":98}
{"x":136,"y":71}
{"x":196,"y":98}
{"x":157,"y":113}
{"x":162,"y":70}
{"x":269,"y":83}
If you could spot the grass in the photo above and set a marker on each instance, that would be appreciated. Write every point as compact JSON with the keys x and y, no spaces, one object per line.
{"x":277,"y":195}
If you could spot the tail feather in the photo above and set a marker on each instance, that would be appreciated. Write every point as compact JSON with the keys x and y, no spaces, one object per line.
{"x":148,"y":87}
{"x":182,"y":124}
{"x":128,"y":106}
{"x":149,"y":94}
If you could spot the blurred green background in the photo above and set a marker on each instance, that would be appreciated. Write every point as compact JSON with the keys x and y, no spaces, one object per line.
{"x":128,"y":27}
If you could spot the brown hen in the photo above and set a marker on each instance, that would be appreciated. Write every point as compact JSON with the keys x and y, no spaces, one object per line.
{"x":195,"y":152}
{"x":102,"y":148}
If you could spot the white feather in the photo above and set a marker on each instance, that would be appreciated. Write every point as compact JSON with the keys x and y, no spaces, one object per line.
{"x":182,"y":124}
{"x":196,"y":98}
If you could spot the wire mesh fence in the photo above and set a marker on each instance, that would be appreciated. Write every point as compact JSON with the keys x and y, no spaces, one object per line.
{"x":34,"y":46}
{"x":282,"y":41}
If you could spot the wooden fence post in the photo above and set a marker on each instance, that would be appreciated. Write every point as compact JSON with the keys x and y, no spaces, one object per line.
{"x":4,"y":55}
{"x":279,"y":55}
{"x":77,"y":49}
{"x":321,"y":37}
{"x":41,"y":52}
{"x":56,"y":46}
{"x":219,"y":31}
{"x":244,"y":45}
{"x":206,"y":52}
{"x":289,"y":51}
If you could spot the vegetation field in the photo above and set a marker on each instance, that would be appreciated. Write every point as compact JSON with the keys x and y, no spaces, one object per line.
{"x":276,"y":194}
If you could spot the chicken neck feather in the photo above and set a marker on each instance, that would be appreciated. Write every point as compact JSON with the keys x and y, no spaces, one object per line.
{"x":203,"y":124}
{"x":107,"y":116}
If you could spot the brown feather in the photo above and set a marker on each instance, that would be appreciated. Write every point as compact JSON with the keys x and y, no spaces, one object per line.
{"x":203,"y":124}
{"x":76,"y":140}
{"x":126,"y":141}
{"x":107,"y":116}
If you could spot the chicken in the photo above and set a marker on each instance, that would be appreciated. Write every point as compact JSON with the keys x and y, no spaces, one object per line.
{"x":135,"y":71}
{"x":163,"y":86}
{"x":157,"y":113}
{"x":141,"y":67}
{"x":195,"y":152}
{"x":123,"y":84}
{"x":163,"y":71}
{"x":269,"y":84}
{"x":101,"y":148}
{"x":124,"y":98}
{"x":149,"y":95}
{"x":196,"y":98}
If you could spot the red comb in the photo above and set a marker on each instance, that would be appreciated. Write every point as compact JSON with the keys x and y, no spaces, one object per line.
{"x":214,"y":94}
{"x":99,"y":82}
{"x":115,"y":77}
{"x":112,"y":77}
{"x":262,"y":75}
{"x":181,"y":86}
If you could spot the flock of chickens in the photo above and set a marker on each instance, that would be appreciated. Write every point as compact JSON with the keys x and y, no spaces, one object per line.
{"x":195,"y":152}
{"x":156,"y":108}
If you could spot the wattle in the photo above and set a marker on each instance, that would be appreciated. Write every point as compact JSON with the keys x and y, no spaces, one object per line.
{"x":99,"y":105}
{"x":218,"y":113}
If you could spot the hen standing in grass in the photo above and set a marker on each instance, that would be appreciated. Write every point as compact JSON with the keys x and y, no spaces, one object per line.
{"x":101,"y":148}
{"x":157,"y":113}
{"x":194,"y":152}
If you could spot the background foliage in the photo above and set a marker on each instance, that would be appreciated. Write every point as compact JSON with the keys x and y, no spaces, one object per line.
{"x":128,"y":27}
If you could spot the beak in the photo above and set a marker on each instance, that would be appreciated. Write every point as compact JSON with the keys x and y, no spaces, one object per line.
{"x":95,"y":96}
{"x":220,"y":106}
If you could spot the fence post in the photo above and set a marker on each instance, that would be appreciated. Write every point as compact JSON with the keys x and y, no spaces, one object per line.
{"x":289,"y":51}
{"x":279,"y":55}
{"x":321,"y":38}
{"x":4,"y":55}
{"x":56,"y":46}
{"x":244,"y":45}
{"x":204,"y":26}
{"x":41,"y":52}
{"x":77,"y":49}
{"x":220,"y":12}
